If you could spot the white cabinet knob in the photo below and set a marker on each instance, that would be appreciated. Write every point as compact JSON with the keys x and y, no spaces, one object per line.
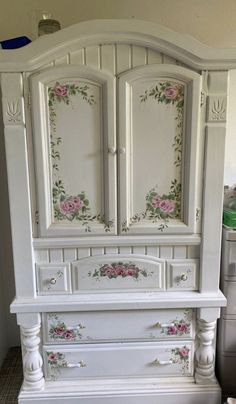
{"x":184,"y":277}
{"x":112,"y":150}
{"x":80,"y":364}
{"x":164,"y":325}
{"x":122,"y":150}
{"x":161,"y":362}
{"x":53,"y":281}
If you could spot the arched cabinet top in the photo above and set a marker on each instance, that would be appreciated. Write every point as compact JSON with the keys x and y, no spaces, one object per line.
{"x":153,"y":36}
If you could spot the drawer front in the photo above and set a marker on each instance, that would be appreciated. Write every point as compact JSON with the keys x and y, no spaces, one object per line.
{"x":182,"y":274}
{"x":118,"y":272}
{"x":119,"y":360}
{"x":53,"y":279}
{"x":229,"y":290}
{"x":228,"y":329}
{"x":104,"y":326}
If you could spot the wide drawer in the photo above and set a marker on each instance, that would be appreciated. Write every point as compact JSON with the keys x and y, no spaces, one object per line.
{"x":118,"y":360}
{"x":114,"y":325}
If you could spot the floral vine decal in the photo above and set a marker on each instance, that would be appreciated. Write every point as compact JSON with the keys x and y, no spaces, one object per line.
{"x":119,"y":270}
{"x":69,"y":207}
{"x":60,"y":331}
{"x":181,"y":356}
{"x":178,"y":327}
{"x":56,"y":361}
{"x":163,"y":207}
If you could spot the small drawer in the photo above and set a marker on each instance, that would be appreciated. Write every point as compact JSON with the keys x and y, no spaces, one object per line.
{"x":118,"y":273}
{"x":118,"y":360}
{"x":53,"y":279}
{"x":67,"y":328}
{"x":228,"y":329}
{"x":182,"y":274}
{"x":229,"y":290}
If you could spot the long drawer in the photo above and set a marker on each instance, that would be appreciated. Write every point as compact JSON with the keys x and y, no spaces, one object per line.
{"x":119,"y":360}
{"x":118,"y":325}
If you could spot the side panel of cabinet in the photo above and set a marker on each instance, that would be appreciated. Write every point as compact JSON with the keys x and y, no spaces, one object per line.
{"x":75,"y":143}
{"x":158,"y":136}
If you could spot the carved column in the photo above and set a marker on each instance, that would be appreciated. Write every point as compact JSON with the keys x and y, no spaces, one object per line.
{"x":205,"y":353}
{"x":32,"y":359}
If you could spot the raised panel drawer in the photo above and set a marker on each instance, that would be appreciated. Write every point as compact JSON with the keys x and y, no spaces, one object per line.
{"x":182,"y":274}
{"x":118,"y":273}
{"x":119,"y":360}
{"x":53,"y":279}
{"x":109,"y":325}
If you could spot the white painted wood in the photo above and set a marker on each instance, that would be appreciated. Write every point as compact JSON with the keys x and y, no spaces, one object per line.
{"x":129,"y":359}
{"x":108,"y":54}
{"x":93,"y":56}
{"x":180,"y":252}
{"x":41,"y":256}
{"x":205,"y":353}
{"x":56,"y":255}
{"x":154,"y":57}
{"x":77,"y":57}
{"x":64,"y":60}
{"x":102,"y":200}
{"x":70,"y":254}
{"x":53,"y":279}
{"x":138,"y":55}
{"x":140,"y":158}
{"x":19,"y":194}
{"x":123,"y":58}
{"x":153,"y":250}
{"x":68,"y":328}
{"x":182,"y":274}
{"x":118,"y":273}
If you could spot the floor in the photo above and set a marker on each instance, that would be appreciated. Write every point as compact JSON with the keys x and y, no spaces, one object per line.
{"x":11,"y":377}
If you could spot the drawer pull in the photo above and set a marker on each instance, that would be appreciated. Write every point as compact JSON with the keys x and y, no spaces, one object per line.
{"x":76,"y":327}
{"x":80,"y":364}
{"x":164,"y":325}
{"x":184,"y":277}
{"x":160,"y":362}
{"x":53,"y":281}
{"x":112,"y":151}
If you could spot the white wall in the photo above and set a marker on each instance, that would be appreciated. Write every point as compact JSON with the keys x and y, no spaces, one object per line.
{"x":212,"y":22}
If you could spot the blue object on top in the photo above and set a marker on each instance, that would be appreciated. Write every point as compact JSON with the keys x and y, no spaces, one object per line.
{"x":15,"y":43}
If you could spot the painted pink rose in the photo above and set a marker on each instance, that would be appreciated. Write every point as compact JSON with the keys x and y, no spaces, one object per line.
{"x":120,"y":270}
{"x":60,"y":90}
{"x":110,"y":272}
{"x":68,"y":334}
{"x":182,"y":327}
{"x":156,"y":201}
{"x":52,"y":357}
{"x":131,"y":271}
{"x":58,"y":330}
{"x":67,"y":207}
{"x":166,"y":205}
{"x":171,"y":92}
{"x":77,"y":202}
{"x":171,"y":331}
{"x":183,"y":352}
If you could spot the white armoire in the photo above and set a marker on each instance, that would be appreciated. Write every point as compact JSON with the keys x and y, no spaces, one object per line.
{"x":114,"y":134}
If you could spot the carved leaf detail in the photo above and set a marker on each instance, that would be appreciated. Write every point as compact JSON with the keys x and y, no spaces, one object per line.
{"x":13,"y":111}
{"x":218,"y":110}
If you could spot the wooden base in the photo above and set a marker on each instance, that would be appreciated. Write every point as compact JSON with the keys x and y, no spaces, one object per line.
{"x":125,"y":392}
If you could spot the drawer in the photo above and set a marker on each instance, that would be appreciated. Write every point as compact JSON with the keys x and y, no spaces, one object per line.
{"x":228,"y":332}
{"x":115,"y":325}
{"x":229,"y":290}
{"x":118,"y":360}
{"x":118,"y":273}
{"x":53,"y":279}
{"x":182,"y":274}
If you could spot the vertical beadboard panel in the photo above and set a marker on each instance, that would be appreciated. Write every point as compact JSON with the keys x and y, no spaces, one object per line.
{"x":83,"y":252}
{"x":70,"y":254}
{"x":111,"y":250}
{"x":64,"y":60}
{"x":108,"y":58}
{"x":138,"y":56}
{"x":166,"y":252}
{"x":168,"y":60}
{"x":125,"y":250}
{"x":41,"y":256}
{"x":180,"y":252}
{"x":153,"y":57}
{"x":123,"y":58}
{"x":153,"y":251}
{"x":92,"y":56}
{"x":193,"y":251}
{"x":139,"y":250}
{"x":77,"y":57}
{"x":97,"y":251}
{"x":56,"y":255}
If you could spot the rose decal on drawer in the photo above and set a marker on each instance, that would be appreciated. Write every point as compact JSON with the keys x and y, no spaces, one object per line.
{"x":119,"y":270}
{"x":181,"y":356}
{"x":56,"y":361}
{"x":59,"y":331}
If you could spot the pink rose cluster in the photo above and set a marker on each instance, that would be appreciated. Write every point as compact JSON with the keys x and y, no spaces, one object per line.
{"x":53,"y":357}
{"x":183,"y":352}
{"x":164,"y":205}
{"x":71,"y":205}
{"x":62,"y":333}
{"x":123,"y":270}
{"x":171,"y":92}
{"x":60,"y":90}
{"x":178,"y":329}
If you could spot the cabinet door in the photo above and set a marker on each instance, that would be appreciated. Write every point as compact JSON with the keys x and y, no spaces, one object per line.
{"x":75,"y":144}
{"x":158,"y":130}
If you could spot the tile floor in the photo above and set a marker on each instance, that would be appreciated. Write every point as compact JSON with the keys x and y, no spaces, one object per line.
{"x":11,"y":377}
